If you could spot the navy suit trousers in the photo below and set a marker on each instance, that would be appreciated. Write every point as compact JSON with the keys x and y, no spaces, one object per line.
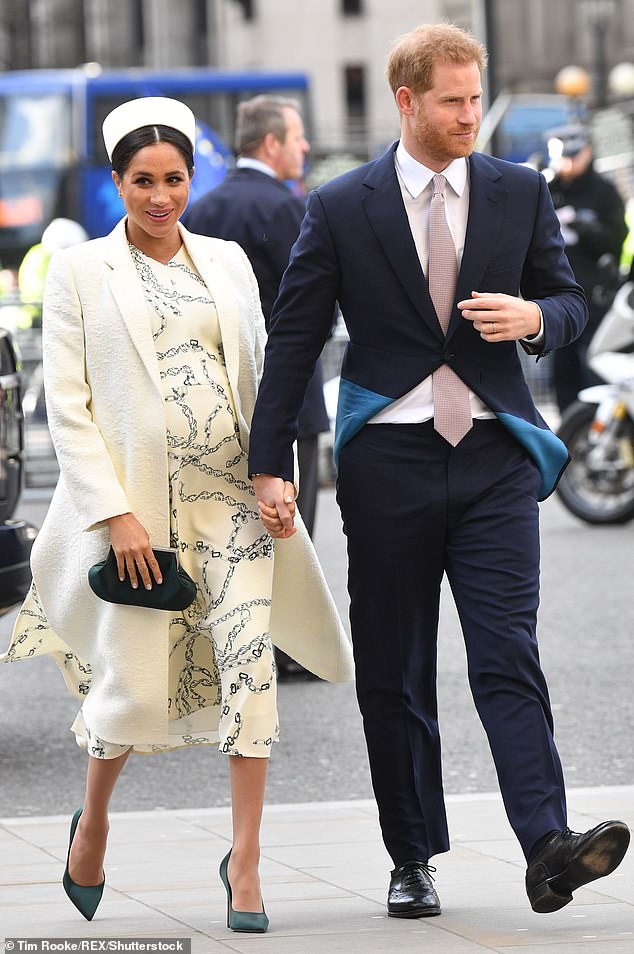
{"x":415,"y":508}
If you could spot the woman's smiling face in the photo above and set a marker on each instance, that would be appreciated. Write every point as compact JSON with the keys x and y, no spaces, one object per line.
{"x":155,"y":192}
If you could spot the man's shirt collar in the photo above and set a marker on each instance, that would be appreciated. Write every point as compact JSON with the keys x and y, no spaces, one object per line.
{"x":246,"y":162}
{"x":416,"y":177}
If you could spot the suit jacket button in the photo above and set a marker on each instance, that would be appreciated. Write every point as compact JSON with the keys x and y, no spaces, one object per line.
{"x":447,"y":355}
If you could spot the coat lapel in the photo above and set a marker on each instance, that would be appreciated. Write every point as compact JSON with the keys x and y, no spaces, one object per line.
{"x":128,"y":294}
{"x":388,"y":219}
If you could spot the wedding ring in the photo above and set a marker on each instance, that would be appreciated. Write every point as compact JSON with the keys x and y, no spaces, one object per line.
{"x":493,"y":323}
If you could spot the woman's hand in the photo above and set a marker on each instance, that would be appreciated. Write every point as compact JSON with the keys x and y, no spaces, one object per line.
{"x":131,"y":544}
{"x":276,"y":501}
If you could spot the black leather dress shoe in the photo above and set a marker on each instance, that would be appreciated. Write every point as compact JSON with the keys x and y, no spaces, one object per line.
{"x":411,"y":893}
{"x":569,"y":860}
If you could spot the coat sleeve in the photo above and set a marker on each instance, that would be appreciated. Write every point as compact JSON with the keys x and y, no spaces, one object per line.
{"x":299,"y":327}
{"x":548,"y":280}
{"x":258,"y":317}
{"x":84,"y":462}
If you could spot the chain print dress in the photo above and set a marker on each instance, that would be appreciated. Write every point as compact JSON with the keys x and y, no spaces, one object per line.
{"x":222,"y":687}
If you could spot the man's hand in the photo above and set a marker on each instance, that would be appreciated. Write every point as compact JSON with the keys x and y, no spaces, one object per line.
{"x":276,"y":501}
{"x":501,"y":317}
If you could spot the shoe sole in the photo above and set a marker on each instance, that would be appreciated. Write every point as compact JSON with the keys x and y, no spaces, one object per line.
{"x":596,"y":858}
{"x":416,"y":913}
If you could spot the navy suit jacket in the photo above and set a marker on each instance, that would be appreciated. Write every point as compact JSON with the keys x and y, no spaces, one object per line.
{"x":356,"y":247}
{"x":263,"y":216}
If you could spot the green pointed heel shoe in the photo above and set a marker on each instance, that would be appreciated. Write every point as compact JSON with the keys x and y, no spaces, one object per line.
{"x":86,"y":898}
{"x":246,"y":921}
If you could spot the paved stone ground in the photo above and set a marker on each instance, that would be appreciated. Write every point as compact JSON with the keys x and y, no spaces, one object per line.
{"x":324,"y":874}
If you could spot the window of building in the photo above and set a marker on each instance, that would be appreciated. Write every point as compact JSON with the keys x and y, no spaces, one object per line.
{"x":352,"y":8}
{"x":248,"y":8}
{"x":200,"y":27}
{"x":356,"y":106}
{"x":355,"y":92}
{"x":138,"y":28}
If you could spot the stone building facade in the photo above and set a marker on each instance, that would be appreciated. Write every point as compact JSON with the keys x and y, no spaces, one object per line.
{"x":340,"y":44}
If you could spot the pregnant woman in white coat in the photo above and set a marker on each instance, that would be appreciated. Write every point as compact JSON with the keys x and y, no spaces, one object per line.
{"x":153,"y":340}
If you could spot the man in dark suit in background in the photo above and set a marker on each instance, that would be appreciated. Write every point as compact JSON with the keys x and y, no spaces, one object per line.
{"x":253,"y":207}
{"x":441,"y":260}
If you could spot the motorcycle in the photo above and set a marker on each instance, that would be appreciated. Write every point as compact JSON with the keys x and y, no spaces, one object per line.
{"x":598,"y":429}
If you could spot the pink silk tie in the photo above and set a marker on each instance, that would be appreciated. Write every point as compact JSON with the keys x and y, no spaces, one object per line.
{"x":452,"y":410}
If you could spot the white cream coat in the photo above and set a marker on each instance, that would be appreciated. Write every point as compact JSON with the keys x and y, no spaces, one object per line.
{"x":106,"y":415}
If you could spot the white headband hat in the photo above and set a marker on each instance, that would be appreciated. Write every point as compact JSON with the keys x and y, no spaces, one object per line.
{"x":147,"y":111}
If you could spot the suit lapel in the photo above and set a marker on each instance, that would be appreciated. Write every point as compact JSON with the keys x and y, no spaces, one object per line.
{"x":388,"y":219}
{"x":486,"y":207}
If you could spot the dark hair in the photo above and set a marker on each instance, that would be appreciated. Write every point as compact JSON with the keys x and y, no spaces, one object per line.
{"x":126,"y":149}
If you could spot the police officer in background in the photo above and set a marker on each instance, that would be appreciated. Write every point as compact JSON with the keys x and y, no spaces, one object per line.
{"x":592,"y":216}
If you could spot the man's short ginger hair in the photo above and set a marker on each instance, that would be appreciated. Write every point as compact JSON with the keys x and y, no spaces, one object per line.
{"x":411,"y":61}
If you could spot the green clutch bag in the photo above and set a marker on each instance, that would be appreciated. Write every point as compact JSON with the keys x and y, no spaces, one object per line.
{"x":175,"y":592}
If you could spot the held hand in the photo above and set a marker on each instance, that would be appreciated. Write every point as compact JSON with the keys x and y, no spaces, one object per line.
{"x":501,"y":317}
{"x":131,"y":545}
{"x":276,"y":502}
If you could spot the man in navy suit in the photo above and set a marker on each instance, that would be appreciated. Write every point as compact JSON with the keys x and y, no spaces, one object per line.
{"x":437,"y":480}
{"x":253,"y":207}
